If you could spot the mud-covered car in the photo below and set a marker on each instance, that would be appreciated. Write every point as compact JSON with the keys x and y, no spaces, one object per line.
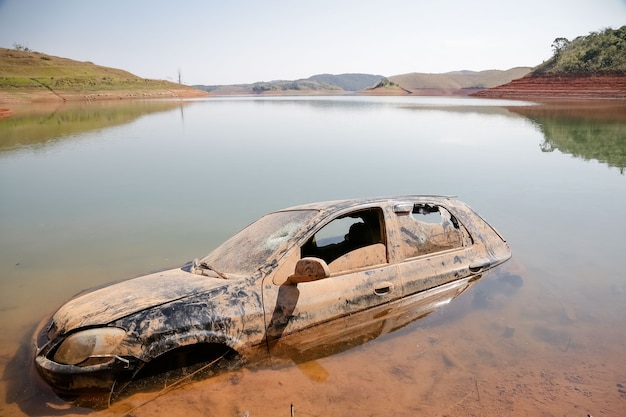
{"x":293,"y":280}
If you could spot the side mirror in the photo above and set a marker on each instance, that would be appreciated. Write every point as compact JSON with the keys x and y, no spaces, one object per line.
{"x":309,"y":269}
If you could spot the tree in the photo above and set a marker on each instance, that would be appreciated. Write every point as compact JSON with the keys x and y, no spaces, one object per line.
{"x":21,"y":47}
{"x":558,"y":45}
{"x":385,"y":82}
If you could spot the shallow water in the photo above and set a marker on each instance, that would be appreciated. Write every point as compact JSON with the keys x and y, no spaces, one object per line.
{"x":95,"y":192}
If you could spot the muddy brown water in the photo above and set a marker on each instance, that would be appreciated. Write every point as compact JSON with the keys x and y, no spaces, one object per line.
{"x":93,"y":193}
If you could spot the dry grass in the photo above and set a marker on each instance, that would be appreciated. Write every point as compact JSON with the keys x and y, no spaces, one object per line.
{"x":34,"y":76}
{"x":459,"y":80}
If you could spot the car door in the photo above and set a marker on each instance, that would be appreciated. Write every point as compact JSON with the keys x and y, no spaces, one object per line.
{"x":434,"y":248}
{"x":307,"y":314}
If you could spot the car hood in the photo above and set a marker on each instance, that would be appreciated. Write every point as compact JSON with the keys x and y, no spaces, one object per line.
{"x":118,"y":300}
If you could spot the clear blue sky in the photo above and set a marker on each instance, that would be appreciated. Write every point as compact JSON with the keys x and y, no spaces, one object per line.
{"x":243,"y":41}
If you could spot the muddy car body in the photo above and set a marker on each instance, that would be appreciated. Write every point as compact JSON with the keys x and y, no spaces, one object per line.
{"x":294,"y":279}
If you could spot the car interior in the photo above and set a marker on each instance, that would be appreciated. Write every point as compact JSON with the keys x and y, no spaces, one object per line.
{"x":346,"y":234}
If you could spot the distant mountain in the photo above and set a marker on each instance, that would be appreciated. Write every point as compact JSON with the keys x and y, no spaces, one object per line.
{"x":457,"y":82}
{"x":348,"y":82}
{"x":322,"y":83}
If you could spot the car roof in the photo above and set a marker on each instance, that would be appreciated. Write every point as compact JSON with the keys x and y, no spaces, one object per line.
{"x":337,"y":205}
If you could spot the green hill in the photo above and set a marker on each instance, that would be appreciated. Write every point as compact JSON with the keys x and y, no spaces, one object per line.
{"x":29,"y":75}
{"x":589,"y":67}
{"x":599,"y":53}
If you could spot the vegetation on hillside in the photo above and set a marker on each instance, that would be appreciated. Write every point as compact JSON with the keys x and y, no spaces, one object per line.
{"x":599,"y":53}
{"x":22,"y":69}
{"x":385,"y":83}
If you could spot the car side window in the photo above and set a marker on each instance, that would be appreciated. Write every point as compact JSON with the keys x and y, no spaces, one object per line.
{"x":342,"y":242}
{"x":429,"y":229}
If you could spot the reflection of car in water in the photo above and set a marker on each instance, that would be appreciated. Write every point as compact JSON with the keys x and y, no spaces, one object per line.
{"x":285,"y":287}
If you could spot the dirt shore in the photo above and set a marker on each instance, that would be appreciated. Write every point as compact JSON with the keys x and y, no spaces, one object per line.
{"x":9,"y":99}
{"x":566,"y":87}
{"x":530,"y":87}
{"x":42,"y":96}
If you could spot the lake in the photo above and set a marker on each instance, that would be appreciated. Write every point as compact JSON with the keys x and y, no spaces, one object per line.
{"x":100,"y":191}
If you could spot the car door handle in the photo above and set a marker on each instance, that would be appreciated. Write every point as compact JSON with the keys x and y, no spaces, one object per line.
{"x":383,"y":288}
{"x":480,"y":265}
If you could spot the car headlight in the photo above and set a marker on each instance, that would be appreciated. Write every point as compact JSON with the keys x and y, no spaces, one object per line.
{"x":80,"y":346}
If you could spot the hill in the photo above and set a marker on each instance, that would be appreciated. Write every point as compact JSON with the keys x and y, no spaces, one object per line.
{"x":458,"y":82}
{"x":317,"y":84}
{"x":33,"y":76}
{"x":592,"y":66}
{"x":348,"y":82}
{"x":598,"y":53}
{"x":459,"y":79}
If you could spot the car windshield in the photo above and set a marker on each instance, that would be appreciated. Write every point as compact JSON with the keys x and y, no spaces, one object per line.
{"x":249,"y":249}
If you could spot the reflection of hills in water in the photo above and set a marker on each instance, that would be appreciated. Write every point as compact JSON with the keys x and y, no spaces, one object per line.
{"x":588,"y":131}
{"x":38,"y":124}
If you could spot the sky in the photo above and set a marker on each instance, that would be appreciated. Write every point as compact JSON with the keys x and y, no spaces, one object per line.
{"x":214,"y":42}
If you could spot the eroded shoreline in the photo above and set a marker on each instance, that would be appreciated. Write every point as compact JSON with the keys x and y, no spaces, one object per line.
{"x":594,"y":88}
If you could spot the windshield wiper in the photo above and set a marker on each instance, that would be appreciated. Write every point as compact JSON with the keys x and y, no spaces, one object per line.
{"x":197,"y":265}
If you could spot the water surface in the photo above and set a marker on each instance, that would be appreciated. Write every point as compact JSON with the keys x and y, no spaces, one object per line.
{"x":93,"y":192}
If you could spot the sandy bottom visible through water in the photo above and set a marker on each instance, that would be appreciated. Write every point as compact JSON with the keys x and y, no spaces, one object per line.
{"x":518,"y":356}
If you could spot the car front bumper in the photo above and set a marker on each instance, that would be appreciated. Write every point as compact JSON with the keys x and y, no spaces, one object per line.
{"x":98,"y":373}
{"x":73,"y":378}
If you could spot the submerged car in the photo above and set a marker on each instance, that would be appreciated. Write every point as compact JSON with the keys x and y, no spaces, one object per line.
{"x":294,"y":279}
